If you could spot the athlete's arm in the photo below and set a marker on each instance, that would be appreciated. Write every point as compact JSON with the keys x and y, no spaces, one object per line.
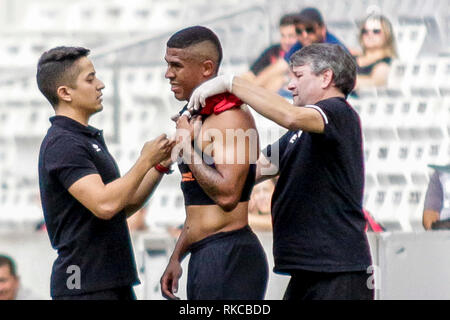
{"x":173,"y":272}
{"x":223,"y":184}
{"x":106,"y":200}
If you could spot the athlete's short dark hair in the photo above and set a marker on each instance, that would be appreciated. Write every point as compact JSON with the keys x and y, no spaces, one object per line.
{"x":56,"y":68}
{"x":194,"y":35}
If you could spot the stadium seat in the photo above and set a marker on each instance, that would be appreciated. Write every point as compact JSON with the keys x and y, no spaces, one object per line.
{"x":135,"y":17}
{"x":166,"y":15}
{"x":345,"y":29}
{"x":399,"y":77}
{"x":6,"y":158}
{"x":44,"y":17}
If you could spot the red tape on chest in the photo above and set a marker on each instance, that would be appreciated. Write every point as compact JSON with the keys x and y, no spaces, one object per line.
{"x":220,"y":103}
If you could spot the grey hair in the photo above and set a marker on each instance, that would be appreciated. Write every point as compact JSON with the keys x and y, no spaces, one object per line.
{"x":327,"y":56}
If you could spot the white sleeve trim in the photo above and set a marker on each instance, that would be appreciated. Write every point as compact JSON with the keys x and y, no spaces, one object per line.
{"x":324,"y":116}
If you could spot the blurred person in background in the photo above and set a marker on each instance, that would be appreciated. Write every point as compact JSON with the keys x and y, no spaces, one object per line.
{"x":310,"y":28}
{"x":377,"y":41}
{"x":259,"y":207}
{"x":226,"y":261}
{"x":85,"y":200}
{"x":10,"y":287}
{"x":271,"y":55}
{"x":436,"y":212}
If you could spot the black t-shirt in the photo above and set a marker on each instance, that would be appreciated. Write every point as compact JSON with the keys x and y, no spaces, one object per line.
{"x":318,"y":223}
{"x":100,"y":251}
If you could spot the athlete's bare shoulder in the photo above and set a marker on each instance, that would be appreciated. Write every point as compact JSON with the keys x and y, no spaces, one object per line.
{"x":236,"y":118}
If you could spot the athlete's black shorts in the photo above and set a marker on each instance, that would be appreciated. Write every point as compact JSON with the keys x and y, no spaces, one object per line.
{"x":227,"y":265}
{"x":309,"y":285}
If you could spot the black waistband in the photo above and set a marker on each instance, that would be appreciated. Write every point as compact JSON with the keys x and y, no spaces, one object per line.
{"x":218,"y":236}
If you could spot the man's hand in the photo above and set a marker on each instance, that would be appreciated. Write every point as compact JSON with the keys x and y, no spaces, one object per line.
{"x":169,"y":280}
{"x":158,"y":149}
{"x":219,"y":84}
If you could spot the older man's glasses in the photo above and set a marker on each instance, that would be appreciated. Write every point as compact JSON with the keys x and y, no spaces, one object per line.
{"x":308,"y":30}
{"x":374,"y":31}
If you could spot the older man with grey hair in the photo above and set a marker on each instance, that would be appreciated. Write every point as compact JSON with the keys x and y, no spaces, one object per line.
{"x":318,"y":222}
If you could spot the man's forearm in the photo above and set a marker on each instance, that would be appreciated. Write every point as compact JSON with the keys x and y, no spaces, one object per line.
{"x":119,"y":192}
{"x":276,"y":108}
{"x":266,"y":103}
{"x":105,"y":201}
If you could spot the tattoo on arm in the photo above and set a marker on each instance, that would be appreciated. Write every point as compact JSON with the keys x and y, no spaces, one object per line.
{"x":208,"y":178}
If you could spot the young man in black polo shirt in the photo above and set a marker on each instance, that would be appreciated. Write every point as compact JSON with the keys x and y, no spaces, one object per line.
{"x":85,"y":201}
{"x":318,"y":222}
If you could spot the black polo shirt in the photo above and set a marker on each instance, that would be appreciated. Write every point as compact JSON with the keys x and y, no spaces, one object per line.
{"x":318,"y":223}
{"x":100,"y":250}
